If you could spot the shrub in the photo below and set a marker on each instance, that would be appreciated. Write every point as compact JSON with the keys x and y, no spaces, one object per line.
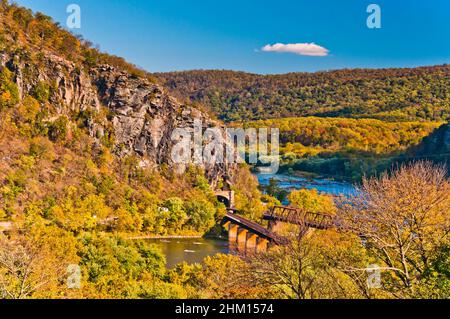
{"x":9,"y":92}
{"x":41,"y":92}
{"x":58,"y":129}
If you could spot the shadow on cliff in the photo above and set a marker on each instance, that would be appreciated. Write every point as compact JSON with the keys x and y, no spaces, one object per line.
{"x":435,"y":148}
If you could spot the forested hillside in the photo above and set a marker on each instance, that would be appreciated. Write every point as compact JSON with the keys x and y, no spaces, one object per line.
{"x":389,"y":94}
{"x":21,"y":29}
{"x":81,"y":170}
{"x":347,"y":148}
{"x":340,"y":124}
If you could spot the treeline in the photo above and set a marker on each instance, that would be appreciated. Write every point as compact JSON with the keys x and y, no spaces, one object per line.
{"x":388,"y":94}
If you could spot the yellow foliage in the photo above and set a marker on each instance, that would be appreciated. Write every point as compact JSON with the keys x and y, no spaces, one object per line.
{"x":312,"y":201}
{"x":314,"y":135}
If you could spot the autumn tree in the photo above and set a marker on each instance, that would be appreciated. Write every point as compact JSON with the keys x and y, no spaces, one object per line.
{"x":9,"y":92}
{"x":404,"y":219}
{"x":309,"y":265}
{"x":311,"y":201}
{"x":247,"y":195}
{"x":227,"y":277}
{"x":35,"y":265}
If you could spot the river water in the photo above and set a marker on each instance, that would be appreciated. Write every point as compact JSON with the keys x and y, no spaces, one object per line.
{"x":324,"y":186}
{"x":194,"y":250}
{"x":190,"y":250}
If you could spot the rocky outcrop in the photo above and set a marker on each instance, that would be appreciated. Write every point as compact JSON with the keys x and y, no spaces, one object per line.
{"x":142,"y":115}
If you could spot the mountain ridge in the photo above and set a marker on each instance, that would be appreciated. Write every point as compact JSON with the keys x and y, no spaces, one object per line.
{"x":403,"y":94}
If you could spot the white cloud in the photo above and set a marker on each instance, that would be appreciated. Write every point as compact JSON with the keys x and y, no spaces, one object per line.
{"x":309,"y":49}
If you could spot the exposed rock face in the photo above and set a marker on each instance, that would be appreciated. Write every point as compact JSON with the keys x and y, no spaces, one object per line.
{"x":142,"y":115}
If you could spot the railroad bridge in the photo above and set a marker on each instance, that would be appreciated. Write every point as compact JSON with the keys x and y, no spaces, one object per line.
{"x":252,"y":237}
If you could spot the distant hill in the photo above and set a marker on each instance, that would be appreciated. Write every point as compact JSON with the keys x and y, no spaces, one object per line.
{"x":389,"y":94}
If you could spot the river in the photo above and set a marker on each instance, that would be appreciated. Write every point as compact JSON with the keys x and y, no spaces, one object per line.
{"x":324,"y":186}
{"x":190,"y":250}
{"x":194,"y":250}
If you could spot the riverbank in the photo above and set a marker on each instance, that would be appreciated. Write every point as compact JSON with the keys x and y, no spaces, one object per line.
{"x":165,"y":237}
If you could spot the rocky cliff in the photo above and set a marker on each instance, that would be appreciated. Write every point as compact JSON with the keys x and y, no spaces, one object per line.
{"x":139,"y":114}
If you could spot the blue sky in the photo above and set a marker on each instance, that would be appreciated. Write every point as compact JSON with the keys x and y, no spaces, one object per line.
{"x":170,"y":35}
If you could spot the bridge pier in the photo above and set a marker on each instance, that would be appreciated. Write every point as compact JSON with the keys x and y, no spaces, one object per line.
{"x":244,"y":240}
{"x":250,"y":244}
{"x":232,"y":232}
{"x":262,"y":245}
{"x":242,"y":237}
